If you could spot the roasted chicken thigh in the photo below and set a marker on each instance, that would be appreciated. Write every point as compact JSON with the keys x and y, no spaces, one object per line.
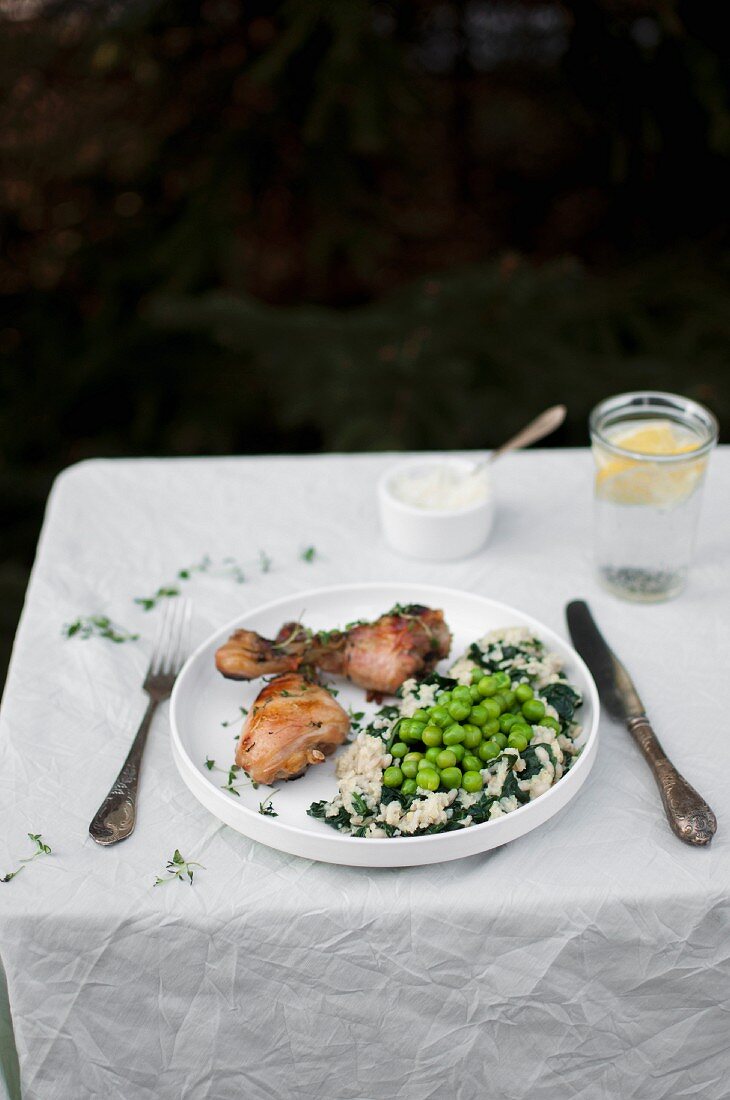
{"x":293,"y":723}
{"x":379,"y":656}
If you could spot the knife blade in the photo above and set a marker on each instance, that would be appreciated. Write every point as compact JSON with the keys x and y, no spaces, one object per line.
{"x":689,"y":816}
{"x":614,"y":684}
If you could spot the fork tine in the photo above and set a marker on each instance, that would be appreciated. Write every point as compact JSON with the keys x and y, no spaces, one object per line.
{"x":157,"y":660}
{"x":183,"y":636}
{"x":171,"y":644}
{"x":173,"y":635}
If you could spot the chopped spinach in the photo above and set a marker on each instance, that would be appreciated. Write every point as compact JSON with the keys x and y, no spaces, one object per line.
{"x":563,"y":698}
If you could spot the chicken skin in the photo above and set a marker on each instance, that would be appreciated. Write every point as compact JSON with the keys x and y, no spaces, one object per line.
{"x":406,"y":641}
{"x":292,"y":724}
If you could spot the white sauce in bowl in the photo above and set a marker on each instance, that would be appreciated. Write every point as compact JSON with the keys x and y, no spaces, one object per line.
{"x":439,"y":487}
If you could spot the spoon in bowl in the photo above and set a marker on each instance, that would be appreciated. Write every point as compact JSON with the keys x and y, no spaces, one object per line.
{"x":544,"y":424}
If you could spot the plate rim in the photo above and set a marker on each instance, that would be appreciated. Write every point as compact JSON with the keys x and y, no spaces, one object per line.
{"x":267,"y":829}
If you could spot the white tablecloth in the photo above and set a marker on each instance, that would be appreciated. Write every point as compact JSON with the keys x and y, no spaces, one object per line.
{"x":590,"y":959}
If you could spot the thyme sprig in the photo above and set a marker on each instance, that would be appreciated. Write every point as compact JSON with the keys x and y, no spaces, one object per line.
{"x":98,"y":626}
{"x":266,"y":808}
{"x":163,"y":592}
{"x":178,"y":868}
{"x":41,"y":849}
{"x":228,"y":567}
{"x":243,"y":712}
{"x":233,"y":783}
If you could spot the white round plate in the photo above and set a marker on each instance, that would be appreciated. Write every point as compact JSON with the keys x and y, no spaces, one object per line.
{"x":205,"y":721}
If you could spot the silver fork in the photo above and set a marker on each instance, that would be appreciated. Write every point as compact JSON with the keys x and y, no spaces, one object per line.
{"x":116,"y":817}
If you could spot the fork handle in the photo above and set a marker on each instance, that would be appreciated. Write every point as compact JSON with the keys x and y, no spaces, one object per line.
{"x":689,"y":816}
{"x":116,"y":817}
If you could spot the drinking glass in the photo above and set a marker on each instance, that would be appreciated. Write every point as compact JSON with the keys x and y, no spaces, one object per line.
{"x":651,"y":452}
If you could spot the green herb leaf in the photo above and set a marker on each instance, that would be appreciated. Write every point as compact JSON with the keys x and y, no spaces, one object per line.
{"x":243,"y":711}
{"x":360,"y":804}
{"x":98,"y":626}
{"x":178,"y":868}
{"x":309,"y":554}
{"x":41,"y":849}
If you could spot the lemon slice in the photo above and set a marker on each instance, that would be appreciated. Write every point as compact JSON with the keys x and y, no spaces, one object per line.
{"x":640,"y":481}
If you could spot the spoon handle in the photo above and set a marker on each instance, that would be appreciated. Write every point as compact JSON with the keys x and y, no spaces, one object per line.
{"x":538,"y":428}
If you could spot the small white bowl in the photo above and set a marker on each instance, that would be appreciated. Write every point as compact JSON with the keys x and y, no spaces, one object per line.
{"x":443,"y":534}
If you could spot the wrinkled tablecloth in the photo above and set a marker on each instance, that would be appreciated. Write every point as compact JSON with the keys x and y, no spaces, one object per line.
{"x":589,"y":959}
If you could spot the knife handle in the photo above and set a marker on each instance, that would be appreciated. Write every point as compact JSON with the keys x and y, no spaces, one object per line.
{"x":689,"y":816}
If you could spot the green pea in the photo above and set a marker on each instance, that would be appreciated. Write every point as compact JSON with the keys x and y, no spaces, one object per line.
{"x":476,"y":675}
{"x":458,"y":751}
{"x":551,"y":724}
{"x":444,"y":699}
{"x":440,"y":716}
{"x":509,"y":699}
{"x":523,"y":728}
{"x":462,"y":692}
{"x":412,"y":757}
{"x":454,"y":735}
{"x":409,"y":786}
{"x":474,"y":694}
{"x":517,"y":741}
{"x":491,"y":727}
{"x":487,"y":686}
{"x":492,"y":708}
{"x":409,"y":768}
{"x":451,"y":778}
{"x":472,"y":781}
{"x":399,"y":749}
{"x":503,"y":680}
{"x":432,"y":736}
{"x":459,"y":710}
{"x":393,"y":777}
{"x":501,"y":739}
{"x":428,"y":779}
{"x":488,"y":750}
{"x":479,"y":714}
{"x":523,"y":692}
{"x":432,"y":755}
{"x":406,"y":730}
{"x":506,"y":722}
{"x":533,"y":710}
{"x":473,"y":736}
{"x":499,"y":700}
{"x":470,"y":763}
{"x":420,"y":716}
{"x":446,"y":759}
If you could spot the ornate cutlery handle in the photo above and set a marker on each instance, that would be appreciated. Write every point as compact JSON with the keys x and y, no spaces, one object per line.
{"x":688,"y":814}
{"x":116,"y":817}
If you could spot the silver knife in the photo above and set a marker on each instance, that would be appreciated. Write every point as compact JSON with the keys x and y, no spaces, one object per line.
{"x":687,"y":812}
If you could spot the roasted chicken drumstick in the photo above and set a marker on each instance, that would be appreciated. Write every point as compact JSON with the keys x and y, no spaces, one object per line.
{"x":293,"y":723}
{"x":379,"y":656}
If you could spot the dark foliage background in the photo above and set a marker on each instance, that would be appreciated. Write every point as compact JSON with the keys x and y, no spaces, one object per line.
{"x":346,"y":224}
